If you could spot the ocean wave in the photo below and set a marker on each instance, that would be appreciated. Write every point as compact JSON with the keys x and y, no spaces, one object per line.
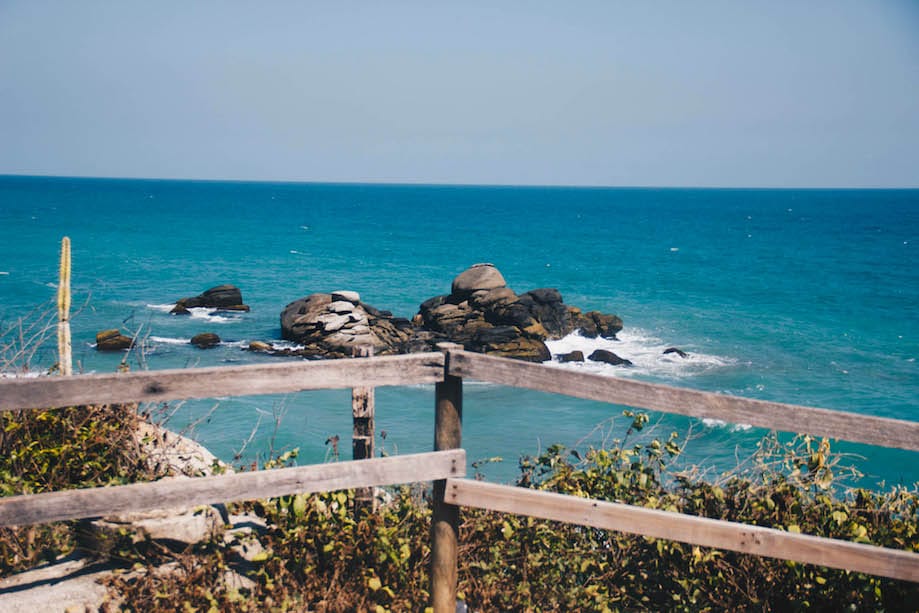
{"x":203,"y":313}
{"x":163,"y":308}
{"x":717,"y":423}
{"x":165,"y":340}
{"x":644,"y":350}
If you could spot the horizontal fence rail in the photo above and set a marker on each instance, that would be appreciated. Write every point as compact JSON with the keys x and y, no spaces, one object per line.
{"x":176,"y":384}
{"x":191,"y":492}
{"x":703,"y":531}
{"x":615,"y":390}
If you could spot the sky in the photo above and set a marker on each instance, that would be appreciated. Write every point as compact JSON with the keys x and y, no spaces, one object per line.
{"x":739,"y":93}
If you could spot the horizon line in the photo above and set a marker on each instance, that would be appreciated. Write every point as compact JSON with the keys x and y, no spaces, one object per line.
{"x":397,"y":183}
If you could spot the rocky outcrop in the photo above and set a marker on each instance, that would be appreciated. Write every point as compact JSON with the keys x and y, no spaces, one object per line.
{"x":480,"y":312}
{"x":483,"y":314}
{"x":112,"y":340}
{"x":331,"y":325}
{"x":222,"y":297}
{"x":205,"y":340}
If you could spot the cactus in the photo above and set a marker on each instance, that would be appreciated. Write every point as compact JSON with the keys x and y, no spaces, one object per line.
{"x":65,"y":361}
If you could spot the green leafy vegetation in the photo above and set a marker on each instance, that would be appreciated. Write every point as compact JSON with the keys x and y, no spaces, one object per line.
{"x":320,"y":556}
{"x":67,"y":448}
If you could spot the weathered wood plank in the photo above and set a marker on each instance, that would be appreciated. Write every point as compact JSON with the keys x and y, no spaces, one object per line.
{"x":96,"y":502}
{"x":772,"y":415}
{"x":686,"y":528}
{"x":174,"y":384}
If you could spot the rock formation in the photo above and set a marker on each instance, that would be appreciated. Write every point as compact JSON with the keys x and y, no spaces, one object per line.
{"x":112,"y":340}
{"x":331,"y":325}
{"x":483,"y":314}
{"x":222,"y":297}
{"x":602,"y":355}
{"x":205,"y":340}
{"x":480,"y":312}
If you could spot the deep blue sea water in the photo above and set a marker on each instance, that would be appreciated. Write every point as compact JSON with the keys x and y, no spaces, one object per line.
{"x":800,"y":296}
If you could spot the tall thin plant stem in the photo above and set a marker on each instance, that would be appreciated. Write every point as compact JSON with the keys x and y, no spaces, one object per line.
{"x":65,"y":359}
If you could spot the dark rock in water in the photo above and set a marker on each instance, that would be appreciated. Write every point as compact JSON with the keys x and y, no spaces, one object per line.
{"x":573,"y":356}
{"x":602,"y":355}
{"x":679,"y":352}
{"x":546,"y":307}
{"x":112,"y":340}
{"x":506,"y":341}
{"x":205,"y":340}
{"x":260,"y":347}
{"x":477,"y":277}
{"x":594,"y":323}
{"x":483,"y":314}
{"x":180,"y":309}
{"x":225,"y":297}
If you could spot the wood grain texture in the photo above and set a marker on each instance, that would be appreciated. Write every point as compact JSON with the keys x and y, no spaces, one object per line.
{"x":772,"y":415}
{"x":686,"y":528}
{"x":175,"y":384}
{"x":185,"y":493}
{"x":448,"y":434}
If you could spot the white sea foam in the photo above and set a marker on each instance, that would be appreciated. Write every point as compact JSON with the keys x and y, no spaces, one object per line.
{"x":212,"y":316}
{"x":164,"y":308}
{"x":205,"y":313}
{"x":644,"y":350}
{"x":165,"y":340}
{"x":717,"y":423}
{"x":3,"y":273}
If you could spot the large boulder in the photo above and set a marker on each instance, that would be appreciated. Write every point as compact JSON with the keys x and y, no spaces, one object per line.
{"x":477,"y":277}
{"x":205,"y":340}
{"x":112,"y":340}
{"x":223,"y":297}
{"x":331,"y":325}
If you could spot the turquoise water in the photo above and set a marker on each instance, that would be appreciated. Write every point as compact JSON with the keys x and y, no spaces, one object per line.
{"x":800,"y":296}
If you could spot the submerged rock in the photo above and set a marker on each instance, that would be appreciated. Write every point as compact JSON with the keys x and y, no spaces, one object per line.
{"x":679,"y":352}
{"x":602,"y":355}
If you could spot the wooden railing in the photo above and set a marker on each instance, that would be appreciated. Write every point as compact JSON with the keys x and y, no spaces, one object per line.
{"x":445,"y":466}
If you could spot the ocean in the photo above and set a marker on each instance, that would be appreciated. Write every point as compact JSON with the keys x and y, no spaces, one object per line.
{"x":808,"y":297}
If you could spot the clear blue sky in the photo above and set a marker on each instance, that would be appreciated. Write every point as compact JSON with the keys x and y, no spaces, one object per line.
{"x":734,"y":93}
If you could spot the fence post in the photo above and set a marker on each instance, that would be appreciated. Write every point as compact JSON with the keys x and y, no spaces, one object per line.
{"x":448,"y":430}
{"x":362,"y":415}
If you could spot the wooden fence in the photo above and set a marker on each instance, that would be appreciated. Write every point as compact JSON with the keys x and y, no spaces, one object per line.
{"x":446,"y":465}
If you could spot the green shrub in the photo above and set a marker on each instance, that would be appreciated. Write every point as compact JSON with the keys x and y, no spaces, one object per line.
{"x":321,"y":557}
{"x":48,"y":450}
